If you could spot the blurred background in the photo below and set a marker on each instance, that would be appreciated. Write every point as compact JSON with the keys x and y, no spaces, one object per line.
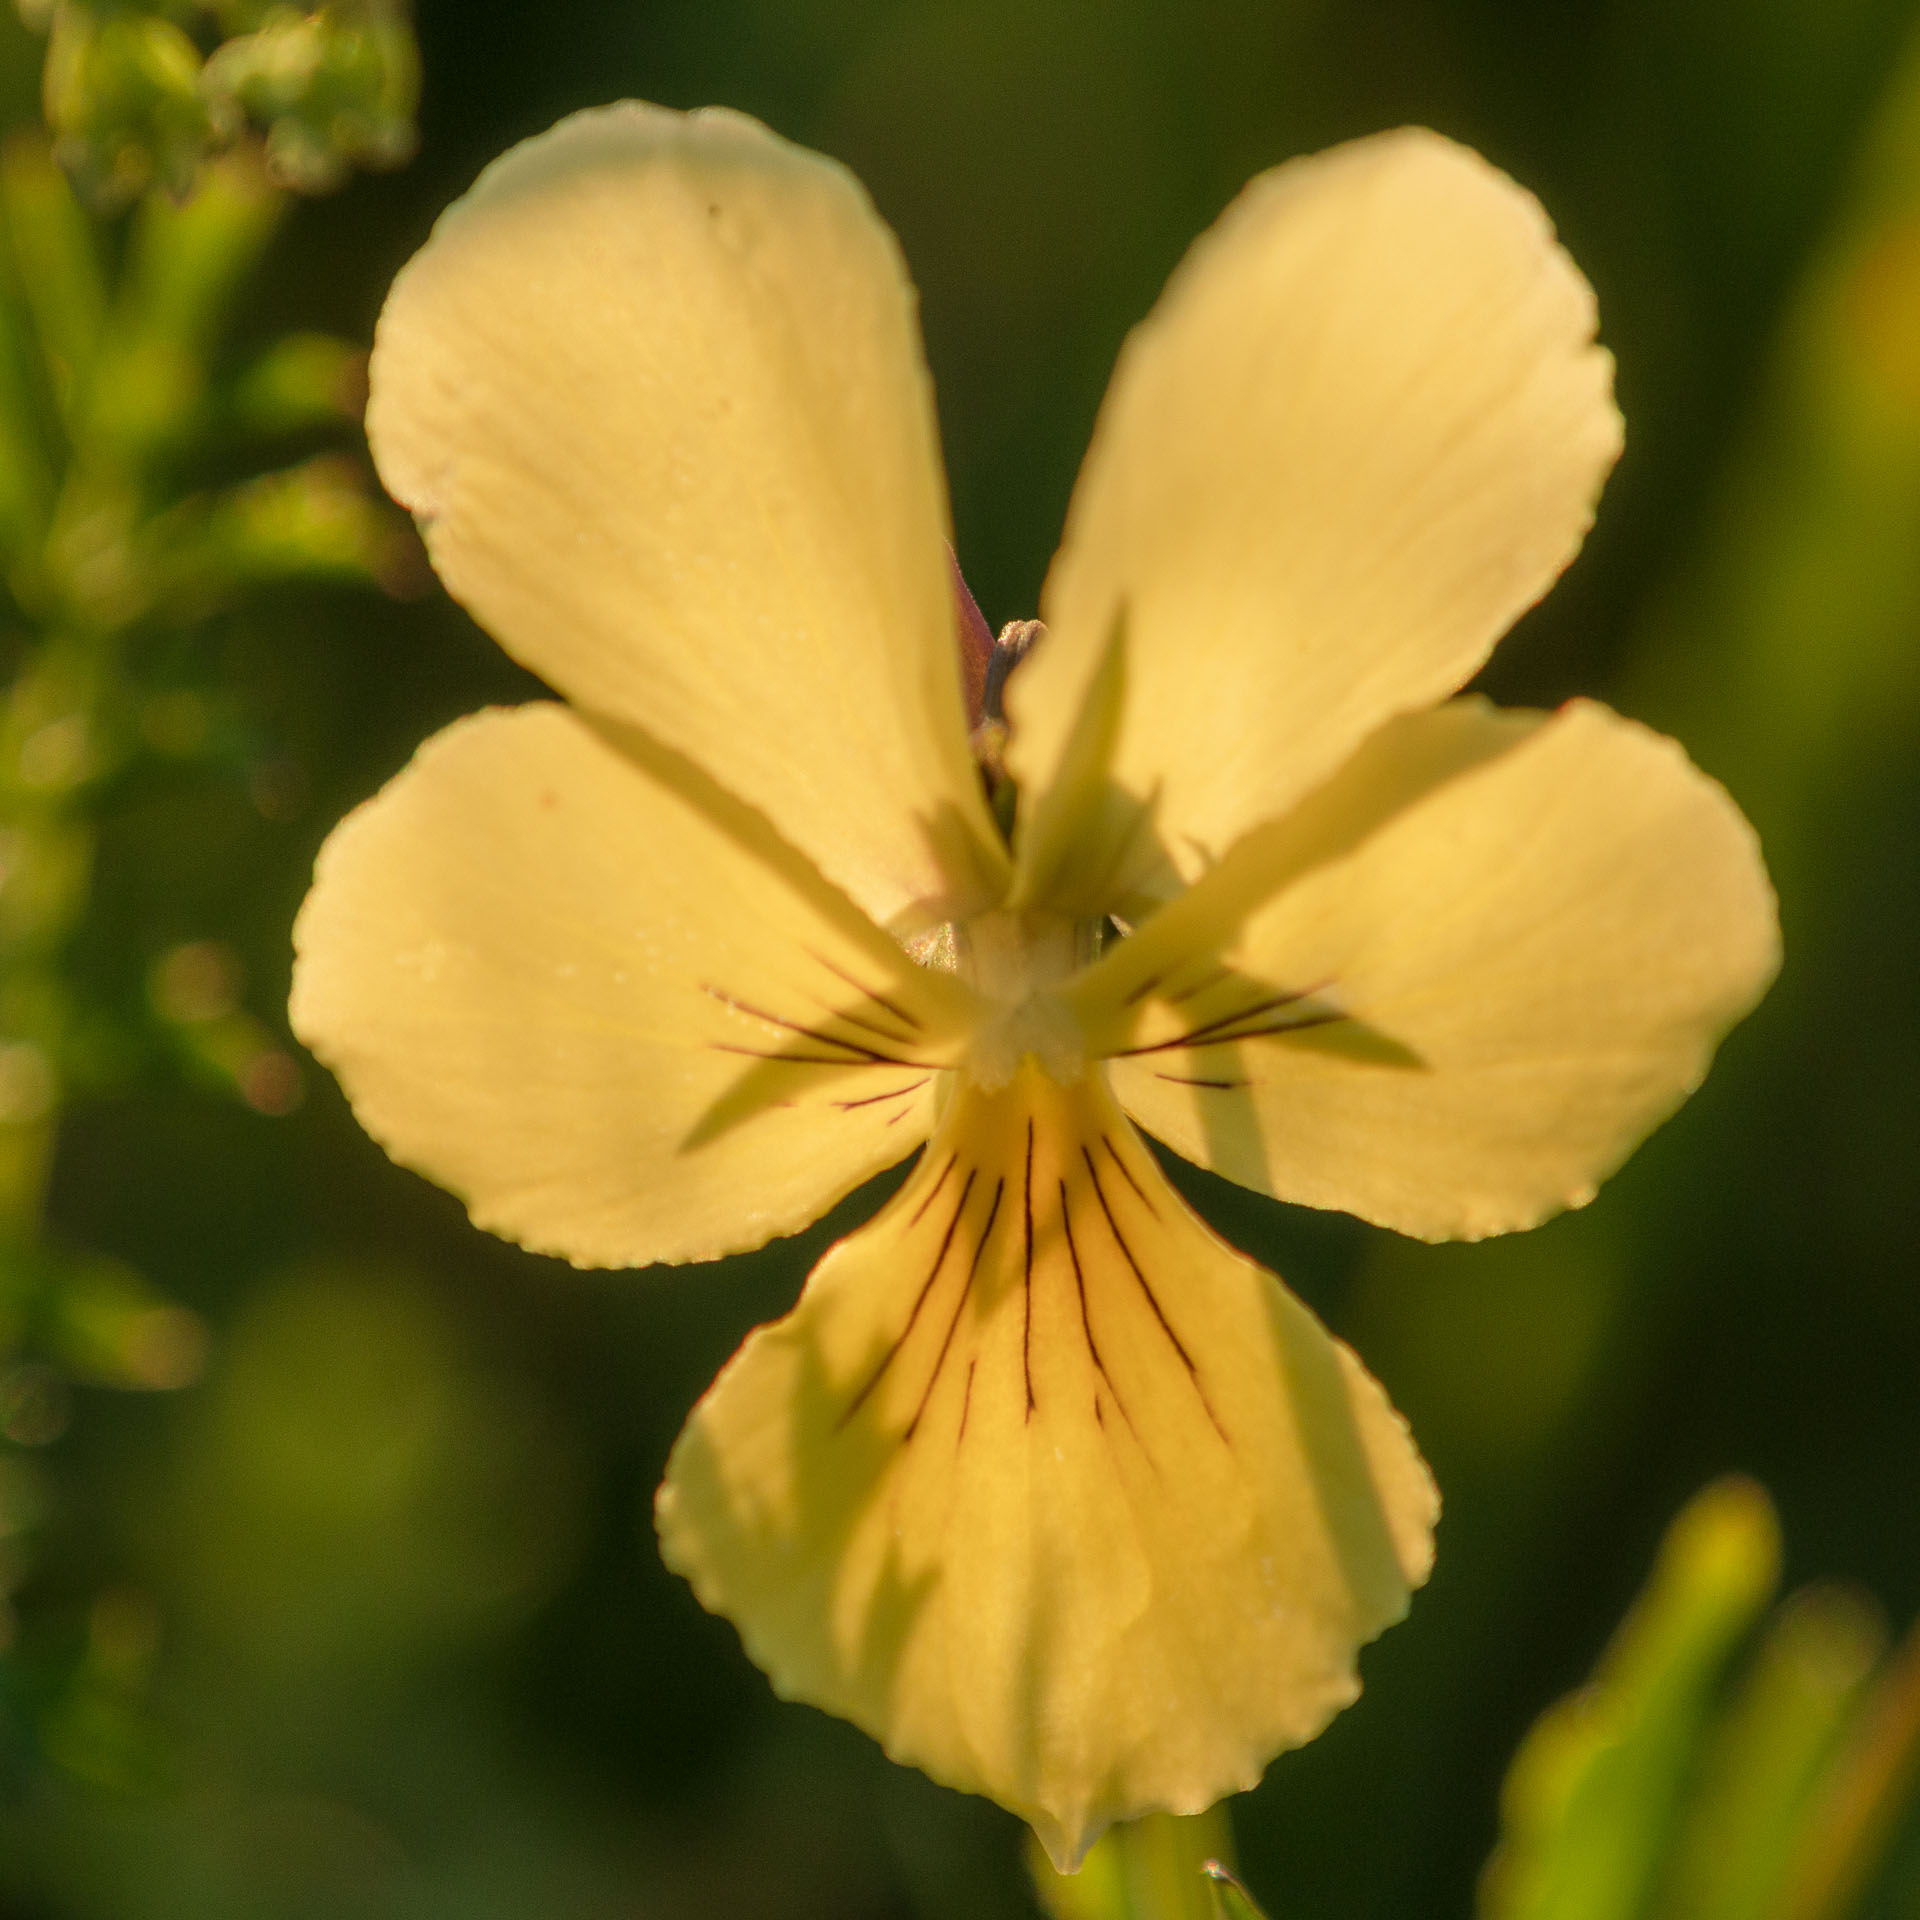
{"x":325,"y":1532}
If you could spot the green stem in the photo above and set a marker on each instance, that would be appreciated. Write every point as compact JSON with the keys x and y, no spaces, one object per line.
{"x":1151,"y":1869}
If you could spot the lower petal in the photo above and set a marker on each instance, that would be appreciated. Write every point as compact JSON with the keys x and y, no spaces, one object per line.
{"x":1057,"y":1495}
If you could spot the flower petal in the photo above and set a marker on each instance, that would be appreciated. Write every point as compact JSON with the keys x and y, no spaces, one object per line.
{"x":1456,"y":988}
{"x":1363,"y":429}
{"x":655,"y":390}
{"x":1057,"y":1495}
{"x":559,"y":971}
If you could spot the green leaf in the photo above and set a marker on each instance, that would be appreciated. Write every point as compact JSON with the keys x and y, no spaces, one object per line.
{"x":1859,"y":1806}
{"x":26,"y":470}
{"x":59,"y":262}
{"x":305,"y":380}
{"x":316,"y":521}
{"x":1594,"y":1796}
{"x":1768,"y":1757}
{"x":186,"y":264}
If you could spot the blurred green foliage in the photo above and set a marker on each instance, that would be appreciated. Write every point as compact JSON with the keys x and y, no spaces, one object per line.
{"x":1684,"y":1783}
{"x":117,"y":542}
{"x":132,"y":510}
{"x":369,"y":1622}
{"x":142,"y":93}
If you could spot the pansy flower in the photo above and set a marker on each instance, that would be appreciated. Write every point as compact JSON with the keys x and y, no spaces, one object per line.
{"x":1050,"y":1489}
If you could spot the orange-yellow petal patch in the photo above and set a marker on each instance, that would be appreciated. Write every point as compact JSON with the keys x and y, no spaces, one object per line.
{"x":1049,"y":1489}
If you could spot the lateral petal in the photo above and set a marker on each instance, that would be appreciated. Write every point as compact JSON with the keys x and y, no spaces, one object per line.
{"x":1046,"y":1487}
{"x":1362,"y":430}
{"x":1457,"y":987}
{"x":654,"y":389}
{"x":559,"y":971}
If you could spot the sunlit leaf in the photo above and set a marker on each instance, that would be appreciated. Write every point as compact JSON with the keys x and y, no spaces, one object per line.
{"x":1593,"y":1797}
{"x":186,"y":261}
{"x":59,"y":263}
{"x":305,"y":380}
{"x":1658,"y":1793}
{"x":26,"y":477}
{"x":318,"y":521}
{"x":1766,"y":1757}
{"x":1868,"y":1792}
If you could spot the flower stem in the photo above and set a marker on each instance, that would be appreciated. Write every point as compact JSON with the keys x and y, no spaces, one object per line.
{"x":1151,"y":1869}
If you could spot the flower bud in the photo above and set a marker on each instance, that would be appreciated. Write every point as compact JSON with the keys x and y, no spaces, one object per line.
{"x":334,"y":88}
{"x":122,"y":94}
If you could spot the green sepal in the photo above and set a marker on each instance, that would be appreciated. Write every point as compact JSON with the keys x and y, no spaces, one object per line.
{"x":1231,"y":1901}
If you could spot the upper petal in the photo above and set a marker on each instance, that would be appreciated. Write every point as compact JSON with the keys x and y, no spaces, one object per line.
{"x":654,"y":389}
{"x":1363,"y":429}
{"x":560,"y":972}
{"x":1456,"y":988}
{"x":1060,"y":1497}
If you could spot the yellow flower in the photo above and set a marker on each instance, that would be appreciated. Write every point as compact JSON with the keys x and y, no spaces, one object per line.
{"x":1041,"y":1483}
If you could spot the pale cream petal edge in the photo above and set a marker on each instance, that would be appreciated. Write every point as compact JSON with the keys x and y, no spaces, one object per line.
{"x":1454,"y":991}
{"x":558,"y":971}
{"x":1363,"y":429}
{"x":654,"y":389}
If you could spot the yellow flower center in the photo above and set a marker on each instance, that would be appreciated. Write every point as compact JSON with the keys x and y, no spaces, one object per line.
{"x":1017,"y":961}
